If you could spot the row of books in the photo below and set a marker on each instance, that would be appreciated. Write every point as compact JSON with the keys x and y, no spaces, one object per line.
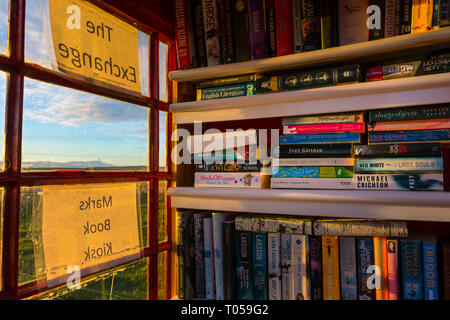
{"x":252,"y":84}
{"x":229,"y":256}
{"x":213,"y":32}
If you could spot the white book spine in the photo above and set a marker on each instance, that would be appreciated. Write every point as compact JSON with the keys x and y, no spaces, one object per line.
{"x":300,"y":267}
{"x":227,"y":179}
{"x":312,"y":183}
{"x":274,"y":265}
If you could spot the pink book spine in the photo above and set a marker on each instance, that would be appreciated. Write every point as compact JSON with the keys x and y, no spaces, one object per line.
{"x":392,"y":269}
{"x":428,"y":124}
{"x":326,"y":127}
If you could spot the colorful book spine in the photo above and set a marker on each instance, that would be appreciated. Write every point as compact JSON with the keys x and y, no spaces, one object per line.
{"x":428,"y":124}
{"x":410,"y":136}
{"x":284,"y":27}
{"x":398,"y":165}
{"x":228,"y":167}
{"x":425,"y":181}
{"x":274,"y":265}
{"x":422,"y":16}
{"x":392,"y":268}
{"x":325,"y":128}
{"x":259,"y":259}
{"x":350,"y":117}
{"x":312,"y":183}
{"x":244,"y":278}
{"x":330,"y":264}
{"x":311,"y":25}
{"x":315,"y":251}
{"x":301,"y":162}
{"x":273,"y":224}
{"x":365,"y":259}
{"x":352,"y":19}
{"x":257,"y":30}
{"x":229,"y":261}
{"x":380,"y":261}
{"x":410,"y":113}
{"x":300,"y":267}
{"x":241,"y":30}
{"x":389,"y":23}
{"x":328,"y":23}
{"x":185,"y":48}
{"x":412,"y":275}
{"x":347,"y":259}
{"x":323,"y":138}
{"x":312,"y":150}
{"x":444,"y":13}
{"x":287,"y":273}
{"x":399,"y":150}
{"x":360,"y":227}
{"x":405,"y":17}
{"x":297,"y":25}
{"x":189,"y":257}
{"x":374,"y":32}
{"x":312,"y":172}
{"x":234,"y":90}
{"x":271,"y":28}
{"x":430,"y":270}
{"x":209,"y":259}
{"x":200,"y":285}
{"x":212,"y":32}
{"x":228,"y":179}
{"x":199,"y":30}
{"x":217,"y":221}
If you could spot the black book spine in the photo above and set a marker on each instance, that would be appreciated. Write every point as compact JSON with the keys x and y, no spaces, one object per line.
{"x":199,"y":30}
{"x":444,"y":13}
{"x":200,"y":285}
{"x":223,"y":30}
{"x":244,"y":266}
{"x":405,"y":17}
{"x":189,"y":258}
{"x":399,"y":150}
{"x":397,"y":20}
{"x":241,"y":30}
{"x":229,"y":270}
{"x":181,"y":224}
{"x":229,"y":32}
{"x":271,"y":29}
{"x":375,"y":34}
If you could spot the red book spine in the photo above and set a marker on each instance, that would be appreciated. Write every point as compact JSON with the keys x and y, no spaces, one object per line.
{"x":283,"y":13}
{"x":325,"y":127}
{"x":392,"y":269}
{"x":182,"y":35}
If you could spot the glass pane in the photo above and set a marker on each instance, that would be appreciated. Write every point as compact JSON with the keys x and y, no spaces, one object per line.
{"x":32,"y":258}
{"x":163,"y":141}
{"x":2,"y":113}
{"x":163,"y":262}
{"x":66,"y":129}
{"x":163,"y":70}
{"x":39,"y":47}
{"x":4,"y":9}
{"x":1,"y":236}
{"x":162,"y":211}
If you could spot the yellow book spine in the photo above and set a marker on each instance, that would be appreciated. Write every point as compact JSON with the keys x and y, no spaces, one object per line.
{"x":422,"y":16}
{"x":380,"y":259}
{"x":330,"y":263}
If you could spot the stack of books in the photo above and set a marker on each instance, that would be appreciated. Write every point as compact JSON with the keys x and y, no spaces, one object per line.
{"x":404,"y":151}
{"x":316,"y":152}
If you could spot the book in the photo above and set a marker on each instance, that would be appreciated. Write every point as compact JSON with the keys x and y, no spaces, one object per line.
{"x":377,"y":31}
{"x":398,"y":22}
{"x":257,"y":29}
{"x":297,"y":25}
{"x":271,"y":33}
{"x":228,"y":167}
{"x":328,"y":23}
{"x":326,"y":128}
{"x":227,"y":32}
{"x":189,"y":256}
{"x":182,"y":218}
{"x":294,"y":162}
{"x":419,"y":181}
{"x":322,"y":138}
{"x":284,"y":27}
{"x":274,"y":265}
{"x":421,"y":16}
{"x":241,"y":30}
{"x":411,"y":113}
{"x":399,"y":150}
{"x":360,"y":227}
{"x":300,"y":267}
{"x":228,"y":180}
{"x":426,"y":124}
{"x":330,"y":267}
{"x":380,"y":261}
{"x":405,"y":17}
{"x":244,"y":277}
{"x":184,"y":34}
{"x":273,"y":224}
{"x":389,"y":20}
{"x":212,"y":32}
{"x":312,"y":183}
{"x":365,"y":260}
{"x":219,"y":82}
{"x":347,"y":117}
{"x":312,"y":150}
{"x":444,"y":13}
{"x":347,"y":259}
{"x":436,"y":5}
{"x":399,"y":165}
{"x":411,"y":268}
{"x":352,"y":19}
{"x":312,"y":172}
{"x":229,"y":253}
{"x":445,"y":269}
{"x":229,"y":91}
{"x":430,"y":268}
{"x":259,"y":259}
{"x":210,"y":287}
{"x":200,"y":281}
{"x":222,"y":31}
{"x":410,"y":136}
{"x":392,"y":268}
{"x":315,"y":251}
{"x":311,"y":22}
{"x":199,"y":31}
{"x":287,"y":275}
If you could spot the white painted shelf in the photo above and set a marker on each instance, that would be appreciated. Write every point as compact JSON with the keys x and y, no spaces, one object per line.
{"x":395,"y":205}
{"x":352,"y":97}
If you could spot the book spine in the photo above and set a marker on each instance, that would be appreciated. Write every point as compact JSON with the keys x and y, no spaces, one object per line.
{"x":445,"y":246}
{"x":228,"y":179}
{"x":311,"y":31}
{"x":212,"y":32}
{"x":352,"y":117}
{"x":229,"y":270}
{"x":380,"y":260}
{"x":412,"y":113}
{"x":399,"y":150}
{"x":315,"y":247}
{"x":229,"y":32}
{"x":352,"y":19}
{"x":244,"y":265}
{"x":300,"y":267}
{"x":430,"y":271}
{"x":235,"y":90}
{"x":321,"y":138}
{"x":312,"y":150}
{"x":325,"y":128}
{"x":444,"y":13}
{"x":257,"y":30}
{"x":389,"y":24}
{"x":405,"y":17}
{"x":222,"y":30}
{"x":219,"y":82}
{"x":312,"y":172}
{"x":312,"y":183}
{"x":347,"y":259}
{"x":426,"y":181}
{"x":199,"y":28}
{"x":228,"y":167}
{"x":397,"y":22}
{"x":271,"y":28}
{"x":429,"y":124}
{"x":272,"y":224}
{"x":259,"y":259}
{"x":181,"y":224}
{"x":422,"y":16}
{"x":316,"y":78}
{"x":189,"y":258}
{"x":392,"y":268}
{"x":330,"y":261}
{"x":410,"y":136}
{"x":412,"y":277}
{"x":328,"y":23}
{"x":436,"y":5}
{"x":374,"y":32}
{"x":184,"y":47}
{"x":284,"y":27}
{"x":354,"y":228}
{"x":365,"y":259}
{"x":297,"y":25}
{"x":294,"y":162}
{"x":217,"y":220}
{"x":274,"y":265}
{"x":210,"y":292}
{"x":286,"y":267}
{"x":398,"y":165}
{"x":200,"y":285}
{"x":395,"y":71}
{"x":241,"y":30}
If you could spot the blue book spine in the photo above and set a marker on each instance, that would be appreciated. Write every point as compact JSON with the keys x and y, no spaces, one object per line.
{"x":347,"y":260}
{"x":411,"y":264}
{"x":274,"y":265}
{"x":260,"y":286}
{"x":217,"y":219}
{"x":365,"y":256}
{"x":410,"y":136}
{"x":350,"y":137}
{"x":209,"y":259}
{"x":436,"y":6}
{"x":244,"y":265}
{"x":430,"y":271}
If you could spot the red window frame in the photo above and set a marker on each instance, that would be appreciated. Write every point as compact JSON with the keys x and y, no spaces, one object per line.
{"x":13,"y":178}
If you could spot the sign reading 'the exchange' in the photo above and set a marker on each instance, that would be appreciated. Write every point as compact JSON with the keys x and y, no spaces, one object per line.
{"x":90,"y":227}
{"x":93,"y":44}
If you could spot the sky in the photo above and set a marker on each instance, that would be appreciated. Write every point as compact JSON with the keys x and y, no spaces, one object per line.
{"x":62,"y":124}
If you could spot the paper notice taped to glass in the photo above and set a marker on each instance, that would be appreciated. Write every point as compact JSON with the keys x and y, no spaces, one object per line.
{"x":94,"y":227}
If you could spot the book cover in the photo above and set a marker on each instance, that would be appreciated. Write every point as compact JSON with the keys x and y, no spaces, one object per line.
{"x":244,"y":275}
{"x":284,"y":27}
{"x":212,"y":32}
{"x":399,"y":150}
{"x":326,"y":128}
{"x":311,"y":22}
{"x":330,"y":265}
{"x":229,"y":91}
{"x":378,"y":33}
{"x":210,"y":287}
{"x":229,"y":261}
{"x":312,"y":172}
{"x":412,"y":275}
{"x":287,"y":273}
{"x":199,"y":31}
{"x":183,"y":35}
{"x":444,"y":13}
{"x":411,"y":113}
{"x":241,"y":30}
{"x":323,"y":138}
{"x":347,"y":259}
{"x":328,"y":23}
{"x":421,"y":16}
{"x":200,"y":281}
{"x":312,"y":183}
{"x":392,"y":268}
{"x":389,"y":21}
{"x":257,"y":30}
{"x":315,"y":250}
{"x":418,"y":181}
{"x":406,"y":125}
{"x":271,"y":28}
{"x":365,"y":259}
{"x":380,"y":260}
{"x":347,"y":117}
{"x":405,"y":17}
{"x":300,"y":267}
{"x":399,"y":165}
{"x":273,"y":224}
{"x":352,"y":19}
{"x":228,"y":179}
{"x":259,"y":259}
{"x":410,"y":136}
{"x":312,"y":150}
{"x":297,"y":25}
{"x":430,"y":269}
{"x":294,"y":162}
{"x":360,"y":227}
{"x":274,"y":265}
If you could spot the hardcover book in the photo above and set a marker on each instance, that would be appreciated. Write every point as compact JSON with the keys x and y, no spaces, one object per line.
{"x":412,"y":274}
{"x":347,"y":259}
{"x":274,"y":265}
{"x":330,"y":264}
{"x":315,"y":247}
{"x":365,"y":259}
{"x":259,"y":259}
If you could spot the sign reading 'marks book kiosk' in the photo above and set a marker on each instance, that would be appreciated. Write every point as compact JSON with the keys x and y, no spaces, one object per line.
{"x":94,"y":45}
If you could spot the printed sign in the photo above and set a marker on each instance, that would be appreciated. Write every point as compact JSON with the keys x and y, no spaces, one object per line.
{"x":91,"y":227}
{"x":93,"y":44}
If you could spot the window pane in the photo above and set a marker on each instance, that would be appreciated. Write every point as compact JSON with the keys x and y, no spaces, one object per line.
{"x":39,"y":47}
{"x":162,"y":211}
{"x":163,"y":68}
{"x":32,"y":261}
{"x":163,"y":262}
{"x":1,"y":235}
{"x":163,"y":141}
{"x":65,"y":129}
{"x":4,"y":9}
{"x":2,"y":113}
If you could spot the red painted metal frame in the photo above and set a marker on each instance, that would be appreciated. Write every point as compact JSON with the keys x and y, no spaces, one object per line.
{"x":13,"y":178}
